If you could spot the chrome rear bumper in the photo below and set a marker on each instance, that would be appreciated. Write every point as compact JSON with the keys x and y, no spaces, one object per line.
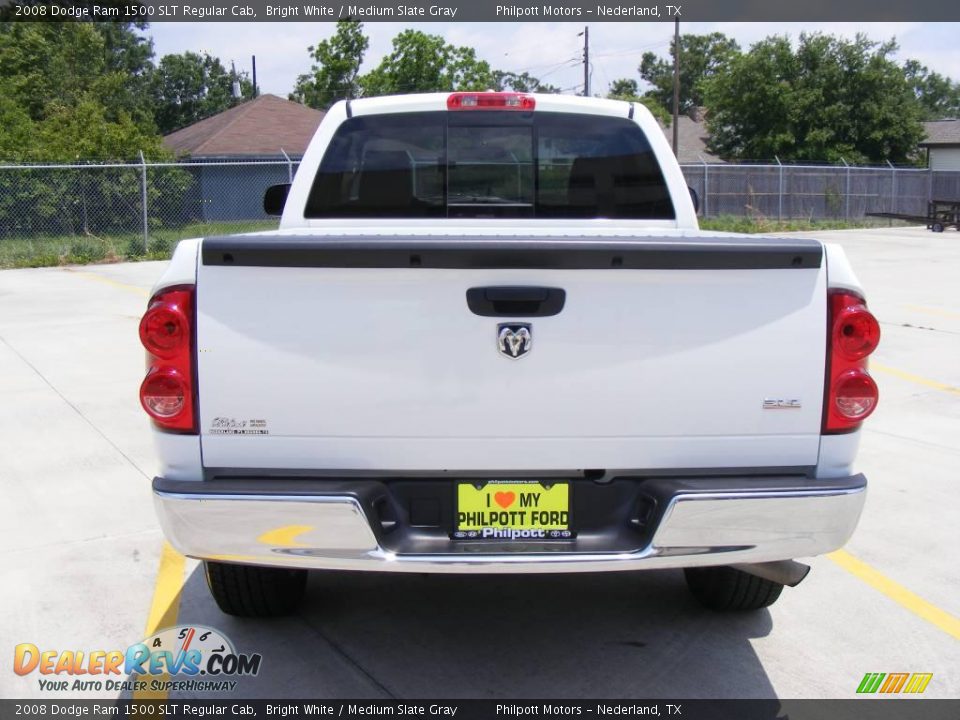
{"x":316,"y":524}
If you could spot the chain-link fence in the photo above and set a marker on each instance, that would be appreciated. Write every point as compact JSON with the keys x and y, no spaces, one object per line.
{"x":817,"y":192}
{"x":130,"y":209}
{"x":141,"y":206}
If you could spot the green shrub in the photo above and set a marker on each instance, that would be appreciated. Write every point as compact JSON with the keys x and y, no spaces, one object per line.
{"x":135,"y":249}
{"x":86,"y":250}
{"x":161,"y":247}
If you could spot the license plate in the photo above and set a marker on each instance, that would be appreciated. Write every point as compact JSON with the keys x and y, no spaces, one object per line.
{"x":513,"y":510}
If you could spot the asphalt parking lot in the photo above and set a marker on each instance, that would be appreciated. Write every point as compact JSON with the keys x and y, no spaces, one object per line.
{"x":84,"y":566}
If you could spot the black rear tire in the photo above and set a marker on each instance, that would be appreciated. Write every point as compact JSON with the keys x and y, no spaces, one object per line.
{"x":254,"y":591}
{"x":726,"y":589}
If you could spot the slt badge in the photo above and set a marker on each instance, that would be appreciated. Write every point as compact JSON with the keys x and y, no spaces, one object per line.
{"x":514,"y":340}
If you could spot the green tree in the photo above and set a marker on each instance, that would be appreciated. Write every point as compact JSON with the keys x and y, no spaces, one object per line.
{"x":82,"y":132}
{"x":75,"y":92}
{"x":128,"y":51}
{"x":701,"y":58}
{"x":627,"y":89}
{"x":624,"y":89}
{"x":334,"y":75}
{"x":52,"y":61}
{"x":78,"y":90}
{"x":17,"y":130}
{"x":128,"y":56}
{"x":830,"y":99}
{"x":98,"y":200}
{"x":189,"y":87}
{"x":521,"y":82}
{"x":939,"y":96}
{"x":63,"y":62}
{"x":426,"y":63}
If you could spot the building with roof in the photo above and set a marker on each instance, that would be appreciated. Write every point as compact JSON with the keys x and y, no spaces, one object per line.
{"x":220,"y":152}
{"x":265,"y":127}
{"x":942,"y":143}
{"x":692,"y":136}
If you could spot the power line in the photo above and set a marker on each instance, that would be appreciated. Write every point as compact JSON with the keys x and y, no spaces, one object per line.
{"x":573,"y":58}
{"x":567,"y":63}
{"x":635,"y":51}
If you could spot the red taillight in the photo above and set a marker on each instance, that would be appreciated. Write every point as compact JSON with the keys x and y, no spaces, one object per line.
{"x":855,"y":395}
{"x":856,"y":332}
{"x":851,"y":394}
{"x":164,"y":393}
{"x":490,"y":101}
{"x":166,"y":331}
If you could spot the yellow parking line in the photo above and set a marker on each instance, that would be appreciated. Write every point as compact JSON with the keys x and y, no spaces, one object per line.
{"x":933,"y":311}
{"x":108,"y":281}
{"x":898,"y":593}
{"x":919,"y":379}
{"x":169,"y":584}
{"x":166,"y":594}
{"x":165,"y":606}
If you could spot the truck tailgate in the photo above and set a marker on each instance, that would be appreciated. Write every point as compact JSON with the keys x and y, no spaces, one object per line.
{"x":361,"y":354}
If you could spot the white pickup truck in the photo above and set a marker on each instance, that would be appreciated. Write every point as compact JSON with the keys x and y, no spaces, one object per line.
{"x":489,"y":337}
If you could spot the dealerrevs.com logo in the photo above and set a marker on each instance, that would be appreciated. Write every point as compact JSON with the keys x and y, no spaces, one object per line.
{"x":182,"y":658}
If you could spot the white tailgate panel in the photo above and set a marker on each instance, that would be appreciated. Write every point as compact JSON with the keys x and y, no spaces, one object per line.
{"x":387,"y":369}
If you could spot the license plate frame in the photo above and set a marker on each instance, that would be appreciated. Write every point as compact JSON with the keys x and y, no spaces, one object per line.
{"x":513,"y":510}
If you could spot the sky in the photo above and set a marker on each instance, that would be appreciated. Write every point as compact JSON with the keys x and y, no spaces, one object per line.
{"x":550,"y":51}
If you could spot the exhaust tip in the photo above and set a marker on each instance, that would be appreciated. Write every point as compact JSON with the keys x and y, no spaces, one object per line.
{"x":785,"y":572}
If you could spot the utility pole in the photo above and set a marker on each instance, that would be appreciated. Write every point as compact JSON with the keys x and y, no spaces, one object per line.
{"x":676,"y":85}
{"x":586,"y":61}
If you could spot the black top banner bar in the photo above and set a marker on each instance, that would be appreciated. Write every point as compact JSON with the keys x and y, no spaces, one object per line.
{"x":580,"y":11}
{"x":174,"y":709}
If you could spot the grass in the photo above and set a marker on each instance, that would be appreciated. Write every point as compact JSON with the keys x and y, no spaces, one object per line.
{"x":755,"y":224}
{"x":46,"y":251}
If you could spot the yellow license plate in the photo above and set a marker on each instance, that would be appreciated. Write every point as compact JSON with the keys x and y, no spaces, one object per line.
{"x":513,"y":510}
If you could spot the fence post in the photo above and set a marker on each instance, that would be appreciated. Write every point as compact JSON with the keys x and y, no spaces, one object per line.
{"x":893,"y":187}
{"x":846,"y":205}
{"x":780,"y":191}
{"x":706,"y":185}
{"x":289,"y":166}
{"x":143,"y":202}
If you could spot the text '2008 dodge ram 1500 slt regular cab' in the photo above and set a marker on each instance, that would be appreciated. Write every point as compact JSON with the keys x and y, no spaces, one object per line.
{"x":489,"y":337}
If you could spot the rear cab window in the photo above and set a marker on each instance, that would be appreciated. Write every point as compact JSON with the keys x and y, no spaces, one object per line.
{"x":494,"y":164}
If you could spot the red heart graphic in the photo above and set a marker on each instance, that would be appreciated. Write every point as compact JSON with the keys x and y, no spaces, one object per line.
{"x":505,"y":499}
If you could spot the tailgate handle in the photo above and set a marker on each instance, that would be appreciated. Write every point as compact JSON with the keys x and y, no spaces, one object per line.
{"x":516,"y":301}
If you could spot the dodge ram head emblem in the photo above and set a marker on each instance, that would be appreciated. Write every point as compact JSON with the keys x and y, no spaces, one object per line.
{"x":514,"y":340}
